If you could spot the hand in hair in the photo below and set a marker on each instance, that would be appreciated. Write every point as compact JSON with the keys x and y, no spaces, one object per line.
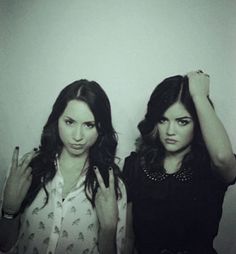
{"x":199,"y":83}
{"x":105,"y":202}
{"x":18,"y":182}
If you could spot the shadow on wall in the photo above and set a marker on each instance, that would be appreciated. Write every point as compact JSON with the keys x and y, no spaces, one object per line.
{"x":224,"y":244}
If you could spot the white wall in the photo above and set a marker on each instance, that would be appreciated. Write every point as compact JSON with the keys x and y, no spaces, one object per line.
{"x":128,"y":47}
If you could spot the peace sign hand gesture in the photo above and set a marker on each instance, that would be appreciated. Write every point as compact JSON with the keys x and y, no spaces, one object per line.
{"x":18,"y":182}
{"x":105,"y":202}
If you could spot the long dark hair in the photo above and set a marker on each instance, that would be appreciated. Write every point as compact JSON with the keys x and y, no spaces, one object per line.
{"x":101,"y":154}
{"x":169,"y":91}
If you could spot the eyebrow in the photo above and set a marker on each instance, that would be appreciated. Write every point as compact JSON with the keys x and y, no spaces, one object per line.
{"x":184,"y":117}
{"x":181,"y":117}
{"x":72,"y":119}
{"x":90,"y":121}
{"x":69,"y":118}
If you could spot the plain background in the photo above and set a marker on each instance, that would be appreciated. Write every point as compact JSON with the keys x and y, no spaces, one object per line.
{"x":128,"y":47}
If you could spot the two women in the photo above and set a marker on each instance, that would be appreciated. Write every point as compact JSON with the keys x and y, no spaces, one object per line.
{"x":178,"y":176}
{"x":67,"y":197}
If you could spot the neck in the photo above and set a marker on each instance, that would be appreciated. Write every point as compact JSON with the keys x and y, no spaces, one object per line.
{"x":72,"y":164}
{"x":173,"y":161}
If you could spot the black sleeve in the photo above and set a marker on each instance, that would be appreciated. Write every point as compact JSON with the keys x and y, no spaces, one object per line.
{"x":219,"y":179}
{"x":234,"y":181}
{"x":129,"y":176}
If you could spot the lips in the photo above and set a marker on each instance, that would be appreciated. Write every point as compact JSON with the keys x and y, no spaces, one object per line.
{"x":77,"y":146}
{"x":170,"y":141}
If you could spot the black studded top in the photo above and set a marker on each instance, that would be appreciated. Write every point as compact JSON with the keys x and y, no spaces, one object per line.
{"x":174,"y":213}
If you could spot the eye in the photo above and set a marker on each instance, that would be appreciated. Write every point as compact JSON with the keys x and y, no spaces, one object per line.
{"x":183,"y":122}
{"x":69,"y":122}
{"x":89,"y":125}
{"x":162,"y":120}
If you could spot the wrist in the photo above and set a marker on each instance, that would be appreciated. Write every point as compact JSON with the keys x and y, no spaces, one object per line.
{"x":108,"y":228}
{"x":109,"y":223}
{"x":199,"y":97}
{"x":9,"y":215}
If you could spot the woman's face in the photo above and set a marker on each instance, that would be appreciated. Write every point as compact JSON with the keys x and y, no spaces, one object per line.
{"x":176,"y":129}
{"x":77,"y":128}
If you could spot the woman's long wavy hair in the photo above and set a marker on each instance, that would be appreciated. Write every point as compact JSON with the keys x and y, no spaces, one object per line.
{"x":101,"y":154}
{"x":149,"y":146}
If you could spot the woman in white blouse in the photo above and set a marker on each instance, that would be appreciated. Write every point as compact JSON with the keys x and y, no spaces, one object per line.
{"x":67,"y":196}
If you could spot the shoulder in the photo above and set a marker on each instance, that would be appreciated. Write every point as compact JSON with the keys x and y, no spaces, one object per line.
{"x":131,"y":164}
{"x":132,"y":172}
{"x":131,"y":159}
{"x":132,"y":155}
{"x":129,"y":174}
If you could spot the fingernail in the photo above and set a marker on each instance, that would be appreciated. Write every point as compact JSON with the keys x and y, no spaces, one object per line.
{"x":94,"y":167}
{"x":17,"y":147}
{"x":110,"y":168}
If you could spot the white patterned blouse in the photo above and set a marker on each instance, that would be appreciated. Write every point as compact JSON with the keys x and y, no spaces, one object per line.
{"x":68,"y":227}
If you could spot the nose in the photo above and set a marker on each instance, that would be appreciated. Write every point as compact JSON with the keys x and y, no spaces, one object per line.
{"x":170,"y":131}
{"x":78,"y":133}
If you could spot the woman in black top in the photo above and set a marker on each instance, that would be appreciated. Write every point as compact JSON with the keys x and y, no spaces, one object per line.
{"x":177,"y":178}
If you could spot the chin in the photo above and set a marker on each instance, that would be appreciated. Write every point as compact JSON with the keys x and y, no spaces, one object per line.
{"x":77,"y":153}
{"x":177,"y":149}
{"x":172,"y":150}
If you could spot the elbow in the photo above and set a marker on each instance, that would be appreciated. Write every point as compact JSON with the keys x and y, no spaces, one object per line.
{"x":226,"y":164}
{"x":223,"y":159}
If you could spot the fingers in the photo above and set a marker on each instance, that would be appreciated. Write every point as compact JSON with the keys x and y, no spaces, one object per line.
{"x":21,"y":165}
{"x":22,"y":159}
{"x":27,"y":174}
{"x":31,"y":154}
{"x":27,"y":159}
{"x":101,"y":182}
{"x":111,"y":178}
{"x":99,"y":178}
{"x":14,"y":163}
{"x":99,"y":193}
{"x":198,"y":72}
{"x":191,"y":73}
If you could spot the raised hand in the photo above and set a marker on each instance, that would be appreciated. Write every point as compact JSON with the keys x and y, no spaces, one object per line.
{"x":18,"y":182}
{"x":105,"y":202}
{"x":199,"y":83}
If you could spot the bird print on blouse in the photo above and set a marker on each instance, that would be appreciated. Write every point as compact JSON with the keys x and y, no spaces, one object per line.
{"x":64,"y":227}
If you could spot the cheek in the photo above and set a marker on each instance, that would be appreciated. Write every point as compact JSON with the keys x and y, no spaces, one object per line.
{"x":62,"y":131}
{"x":189,"y":134}
{"x":61,"y":134}
{"x":92,"y":138}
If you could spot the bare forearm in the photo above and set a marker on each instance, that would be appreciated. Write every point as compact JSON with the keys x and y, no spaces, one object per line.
{"x":9,"y":230}
{"x":129,"y":241}
{"x":213,"y":131}
{"x":107,"y":241}
{"x":214,"y":135}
